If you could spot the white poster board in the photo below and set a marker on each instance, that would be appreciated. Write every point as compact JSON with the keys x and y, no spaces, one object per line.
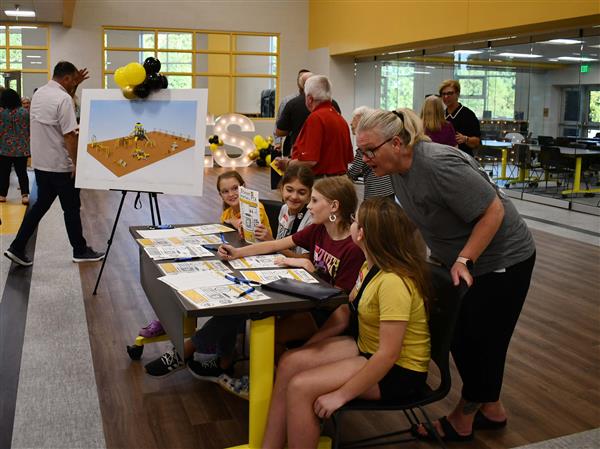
{"x":151,"y":145}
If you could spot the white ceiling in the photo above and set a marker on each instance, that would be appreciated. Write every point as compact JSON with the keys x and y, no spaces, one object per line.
{"x":46,"y":10}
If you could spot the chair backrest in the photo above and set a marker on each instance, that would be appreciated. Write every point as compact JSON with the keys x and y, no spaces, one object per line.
{"x":522,"y":154}
{"x":272,"y":208}
{"x":545,"y":140}
{"x":549,"y":156}
{"x":444,"y":308}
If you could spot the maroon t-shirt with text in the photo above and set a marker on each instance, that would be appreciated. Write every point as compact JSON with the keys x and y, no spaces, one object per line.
{"x":336,"y":261}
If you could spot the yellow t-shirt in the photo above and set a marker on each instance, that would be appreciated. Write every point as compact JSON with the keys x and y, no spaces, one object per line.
{"x":387,"y":298}
{"x":228,"y":214}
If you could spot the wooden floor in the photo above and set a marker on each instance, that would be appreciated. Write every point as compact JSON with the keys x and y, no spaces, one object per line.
{"x":552,"y":379}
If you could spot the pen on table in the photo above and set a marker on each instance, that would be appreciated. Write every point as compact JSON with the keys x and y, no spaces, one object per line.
{"x":183,"y":259}
{"x":223,"y":238}
{"x":210,"y":248}
{"x":245,"y":292}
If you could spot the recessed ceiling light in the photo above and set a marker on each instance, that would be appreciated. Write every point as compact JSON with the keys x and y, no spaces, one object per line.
{"x":23,"y":27}
{"x":573,"y":58}
{"x":398,"y":52}
{"x":35,"y":62}
{"x":32,"y":56}
{"x":465,"y":52}
{"x":417,"y":72}
{"x":595,"y":46}
{"x":430,"y":67}
{"x":553,"y":59}
{"x":562,"y":42}
{"x":19,"y":12}
{"x":519,"y":55}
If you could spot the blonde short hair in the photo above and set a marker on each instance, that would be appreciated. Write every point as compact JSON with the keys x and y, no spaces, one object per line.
{"x":401,"y":122}
{"x":432,"y":114}
{"x":454,"y":84}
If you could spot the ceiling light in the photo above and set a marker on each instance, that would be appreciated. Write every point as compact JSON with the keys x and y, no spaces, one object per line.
{"x":35,"y":62}
{"x":32,"y":56}
{"x":519,"y":55}
{"x":553,"y":59}
{"x":465,"y":52}
{"x":23,"y":27}
{"x":19,"y":12}
{"x":401,"y":51}
{"x":573,"y":58}
{"x":562,"y":42}
{"x":416,"y":72}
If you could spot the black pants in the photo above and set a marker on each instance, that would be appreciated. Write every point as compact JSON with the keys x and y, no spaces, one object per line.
{"x":49,"y":186}
{"x":20,"y":163}
{"x":488,"y":317}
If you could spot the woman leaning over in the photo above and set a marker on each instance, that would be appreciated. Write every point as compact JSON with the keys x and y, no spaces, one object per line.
{"x":474,"y":230}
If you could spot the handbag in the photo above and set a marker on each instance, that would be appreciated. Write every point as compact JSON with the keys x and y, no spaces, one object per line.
{"x":294,"y":287}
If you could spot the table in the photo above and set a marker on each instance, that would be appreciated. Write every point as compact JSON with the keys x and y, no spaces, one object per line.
{"x":579,"y":154}
{"x":176,"y":315}
{"x":504,"y":146}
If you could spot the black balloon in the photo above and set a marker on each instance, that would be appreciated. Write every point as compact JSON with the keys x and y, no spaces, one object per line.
{"x":141,"y":90}
{"x":152,"y":65}
{"x":164,"y":81}
{"x":154,"y":81}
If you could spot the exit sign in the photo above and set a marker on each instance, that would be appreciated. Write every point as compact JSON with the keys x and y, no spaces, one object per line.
{"x":585,"y":68}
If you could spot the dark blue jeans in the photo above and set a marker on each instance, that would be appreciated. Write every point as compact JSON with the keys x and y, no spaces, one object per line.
{"x":218,"y":335}
{"x":49,"y":186}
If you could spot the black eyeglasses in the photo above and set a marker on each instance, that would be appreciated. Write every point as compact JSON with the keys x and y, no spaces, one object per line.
{"x":370,"y":154}
{"x":447,"y":94}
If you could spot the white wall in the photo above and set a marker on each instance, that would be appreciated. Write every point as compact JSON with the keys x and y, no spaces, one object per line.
{"x":82,"y":44}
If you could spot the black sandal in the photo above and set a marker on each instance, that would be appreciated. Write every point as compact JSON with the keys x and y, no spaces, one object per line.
{"x":450,"y":434}
{"x":482,"y":422}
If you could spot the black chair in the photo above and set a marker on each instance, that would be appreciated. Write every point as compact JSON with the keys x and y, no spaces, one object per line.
{"x":443,"y":314}
{"x":552,"y":162}
{"x":545,"y":140}
{"x":272,"y":208}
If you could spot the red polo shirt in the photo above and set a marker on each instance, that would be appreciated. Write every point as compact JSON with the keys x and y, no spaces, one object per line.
{"x":325,"y":138}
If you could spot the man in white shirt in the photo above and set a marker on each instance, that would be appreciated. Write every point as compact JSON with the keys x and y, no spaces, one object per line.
{"x":54,"y":157}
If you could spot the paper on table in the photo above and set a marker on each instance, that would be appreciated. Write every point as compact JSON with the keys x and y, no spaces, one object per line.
{"x":249,"y":213}
{"x":182,"y":240}
{"x":177,"y":252}
{"x":162,"y":233}
{"x":193,"y":266}
{"x":220,"y":296}
{"x":266,"y":276}
{"x":210,"y":229}
{"x":264,"y":261}
{"x":200,"y":279}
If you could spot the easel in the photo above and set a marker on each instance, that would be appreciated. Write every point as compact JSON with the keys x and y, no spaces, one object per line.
{"x":153,"y":197}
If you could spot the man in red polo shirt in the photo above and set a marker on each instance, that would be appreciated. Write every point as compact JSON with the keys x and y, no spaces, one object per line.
{"x":324,"y":142}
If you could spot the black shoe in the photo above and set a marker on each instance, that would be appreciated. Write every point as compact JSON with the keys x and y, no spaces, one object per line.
{"x":87,"y":255}
{"x":208,"y":369}
{"x":18,"y":257}
{"x":166,"y":364}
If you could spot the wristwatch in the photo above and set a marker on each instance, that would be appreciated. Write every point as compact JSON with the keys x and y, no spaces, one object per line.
{"x":466,"y":262}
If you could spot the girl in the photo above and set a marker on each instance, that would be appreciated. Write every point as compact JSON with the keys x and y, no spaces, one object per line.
{"x":14,"y":143}
{"x":296,"y":187}
{"x":228,"y":185}
{"x":435,"y":124}
{"x":387,"y":354}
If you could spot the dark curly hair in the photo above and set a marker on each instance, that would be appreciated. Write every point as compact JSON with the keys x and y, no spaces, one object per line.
{"x":10,"y":99}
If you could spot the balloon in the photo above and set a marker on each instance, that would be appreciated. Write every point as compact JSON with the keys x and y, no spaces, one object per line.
{"x":135,"y":73}
{"x":141,"y":90}
{"x":154,"y":82}
{"x":213,"y":147}
{"x":120,"y":78}
{"x":253,"y":155}
{"x":268,"y":159}
{"x":128,"y":93}
{"x":152,"y":65}
{"x":165,"y":81}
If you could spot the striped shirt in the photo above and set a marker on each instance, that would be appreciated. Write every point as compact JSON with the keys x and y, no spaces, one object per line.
{"x":374,"y":185}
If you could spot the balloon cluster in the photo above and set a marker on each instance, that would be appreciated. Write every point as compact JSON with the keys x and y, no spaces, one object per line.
{"x":137,"y":80}
{"x":263,"y":151}
{"x":215,"y":142}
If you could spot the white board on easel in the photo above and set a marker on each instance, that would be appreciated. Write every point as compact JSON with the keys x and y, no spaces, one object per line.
{"x":151,"y":145}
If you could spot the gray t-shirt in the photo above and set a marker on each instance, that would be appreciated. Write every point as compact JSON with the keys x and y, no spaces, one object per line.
{"x":444,"y":193}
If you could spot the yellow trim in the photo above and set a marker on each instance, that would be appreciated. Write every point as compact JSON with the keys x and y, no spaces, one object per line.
{"x":7,"y":47}
{"x":232,"y":52}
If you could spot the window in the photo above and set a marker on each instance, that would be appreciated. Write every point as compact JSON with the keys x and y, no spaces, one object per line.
{"x":489,"y":93}
{"x":238,"y":69}
{"x":397,"y":86}
{"x":24,"y":56}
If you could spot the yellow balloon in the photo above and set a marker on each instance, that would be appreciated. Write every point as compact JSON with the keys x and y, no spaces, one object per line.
{"x":254,"y":155}
{"x":120,"y":78}
{"x":135,"y":73}
{"x":268,"y":159}
{"x":213,"y":147}
{"x":128,"y":93}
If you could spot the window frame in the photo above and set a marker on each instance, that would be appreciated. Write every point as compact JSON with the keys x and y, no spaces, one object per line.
{"x":8,"y":47}
{"x":231,"y":74}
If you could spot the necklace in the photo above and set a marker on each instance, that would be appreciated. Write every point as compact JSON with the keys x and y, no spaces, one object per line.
{"x":453,"y":116}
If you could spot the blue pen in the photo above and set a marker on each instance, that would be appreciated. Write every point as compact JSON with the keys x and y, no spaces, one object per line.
{"x":245,"y":292}
{"x":232,"y":278}
{"x":210,"y":248}
{"x":184,"y":259}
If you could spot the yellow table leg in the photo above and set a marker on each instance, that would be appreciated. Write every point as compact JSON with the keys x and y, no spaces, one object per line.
{"x":262,"y":363}
{"x":504,"y":163}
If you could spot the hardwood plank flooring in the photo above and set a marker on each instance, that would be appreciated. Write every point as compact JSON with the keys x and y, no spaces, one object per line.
{"x":551,"y":385}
